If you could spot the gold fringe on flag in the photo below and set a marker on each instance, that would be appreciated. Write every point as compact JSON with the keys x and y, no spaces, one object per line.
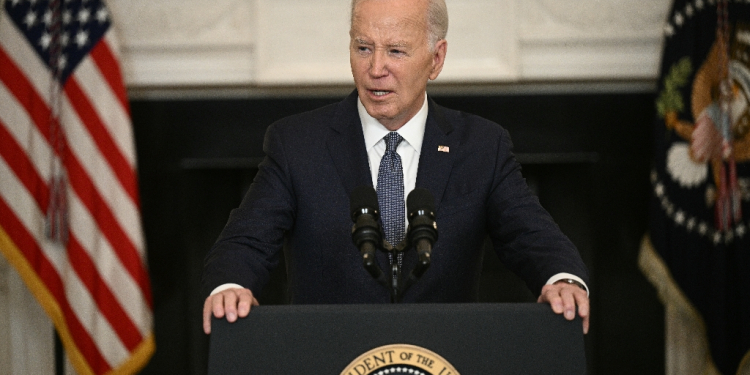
{"x":679,"y":308}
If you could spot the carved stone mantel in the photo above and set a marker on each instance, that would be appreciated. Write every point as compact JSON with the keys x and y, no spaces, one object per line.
{"x":264,"y":43}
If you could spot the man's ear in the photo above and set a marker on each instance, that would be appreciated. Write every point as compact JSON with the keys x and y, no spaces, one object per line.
{"x":438,"y":58}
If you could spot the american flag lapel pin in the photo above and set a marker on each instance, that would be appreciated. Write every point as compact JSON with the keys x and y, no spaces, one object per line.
{"x":445,"y":149}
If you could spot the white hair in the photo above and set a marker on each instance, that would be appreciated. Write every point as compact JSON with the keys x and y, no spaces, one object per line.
{"x":437,"y":20}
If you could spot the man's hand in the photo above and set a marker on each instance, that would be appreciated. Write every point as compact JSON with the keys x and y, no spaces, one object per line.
{"x":564,"y":297}
{"x":233,"y":302}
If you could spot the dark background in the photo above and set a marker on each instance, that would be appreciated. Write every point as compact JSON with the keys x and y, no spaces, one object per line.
{"x":586,"y":155}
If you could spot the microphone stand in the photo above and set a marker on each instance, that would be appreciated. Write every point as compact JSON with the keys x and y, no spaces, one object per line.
{"x":395,"y":286}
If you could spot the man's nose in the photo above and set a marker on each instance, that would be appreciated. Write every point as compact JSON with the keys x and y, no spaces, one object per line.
{"x":379,"y":64}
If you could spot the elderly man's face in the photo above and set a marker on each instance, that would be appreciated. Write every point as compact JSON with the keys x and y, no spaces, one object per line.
{"x":391,"y":59}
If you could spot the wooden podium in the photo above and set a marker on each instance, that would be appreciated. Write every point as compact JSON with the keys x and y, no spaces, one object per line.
{"x":475,"y":339}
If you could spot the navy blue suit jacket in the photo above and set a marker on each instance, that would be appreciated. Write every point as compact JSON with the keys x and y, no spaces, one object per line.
{"x":299,"y":202}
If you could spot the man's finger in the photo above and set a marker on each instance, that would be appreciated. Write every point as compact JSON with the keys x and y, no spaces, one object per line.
{"x":569,"y":302}
{"x":586,"y":325}
{"x":584,"y":310}
{"x":230,"y":305}
{"x":551,"y":295}
{"x":207,"y":307}
{"x":246,"y":301}
{"x":217,"y":305}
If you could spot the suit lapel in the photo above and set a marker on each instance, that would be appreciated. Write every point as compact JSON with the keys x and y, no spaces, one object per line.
{"x":346,"y":145}
{"x":435,"y":165}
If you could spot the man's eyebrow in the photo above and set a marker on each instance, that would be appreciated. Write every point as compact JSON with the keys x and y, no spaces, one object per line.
{"x":398,"y":45}
{"x":389,"y":45}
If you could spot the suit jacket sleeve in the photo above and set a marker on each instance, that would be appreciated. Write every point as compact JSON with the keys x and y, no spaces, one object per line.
{"x":248,"y":247}
{"x":524,"y":235}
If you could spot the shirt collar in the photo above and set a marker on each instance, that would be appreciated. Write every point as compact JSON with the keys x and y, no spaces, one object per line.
{"x":412,"y":131}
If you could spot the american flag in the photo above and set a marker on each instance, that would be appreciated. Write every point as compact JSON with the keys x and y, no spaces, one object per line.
{"x":69,"y":206}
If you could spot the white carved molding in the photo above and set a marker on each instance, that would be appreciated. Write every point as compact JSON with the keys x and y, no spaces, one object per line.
{"x":591,"y":39}
{"x":303,"y":42}
{"x":193,"y":66}
{"x":482,"y":41}
{"x":271,"y":43}
{"x":185,"y":42}
{"x":590,"y":59}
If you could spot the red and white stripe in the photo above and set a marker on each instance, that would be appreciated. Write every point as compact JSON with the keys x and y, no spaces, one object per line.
{"x":96,"y":289}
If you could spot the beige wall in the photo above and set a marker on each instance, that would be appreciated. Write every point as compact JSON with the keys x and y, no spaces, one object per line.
{"x":304,"y":42}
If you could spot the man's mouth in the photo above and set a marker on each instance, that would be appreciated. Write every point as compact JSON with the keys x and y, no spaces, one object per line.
{"x":380,"y":92}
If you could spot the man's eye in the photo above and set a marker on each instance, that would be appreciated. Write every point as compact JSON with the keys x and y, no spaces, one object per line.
{"x":397,"y":52}
{"x":363,"y":49}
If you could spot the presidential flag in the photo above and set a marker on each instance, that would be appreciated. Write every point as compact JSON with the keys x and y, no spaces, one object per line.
{"x":698,"y":250}
{"x":69,"y":207}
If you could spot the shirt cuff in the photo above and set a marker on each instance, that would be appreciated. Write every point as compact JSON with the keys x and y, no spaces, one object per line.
{"x":224,"y":287}
{"x":563,"y":275}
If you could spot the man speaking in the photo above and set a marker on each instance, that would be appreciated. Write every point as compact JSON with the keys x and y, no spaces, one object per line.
{"x":389,"y":134}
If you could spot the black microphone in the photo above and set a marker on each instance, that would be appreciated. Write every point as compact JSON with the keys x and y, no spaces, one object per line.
{"x":420,"y":205}
{"x":366,"y":233}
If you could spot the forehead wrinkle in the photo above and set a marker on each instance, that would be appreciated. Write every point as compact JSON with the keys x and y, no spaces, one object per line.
{"x":360,"y":40}
{"x":388,"y":43}
{"x":402,"y":27}
{"x":398,"y":44}
{"x":400,"y":40}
